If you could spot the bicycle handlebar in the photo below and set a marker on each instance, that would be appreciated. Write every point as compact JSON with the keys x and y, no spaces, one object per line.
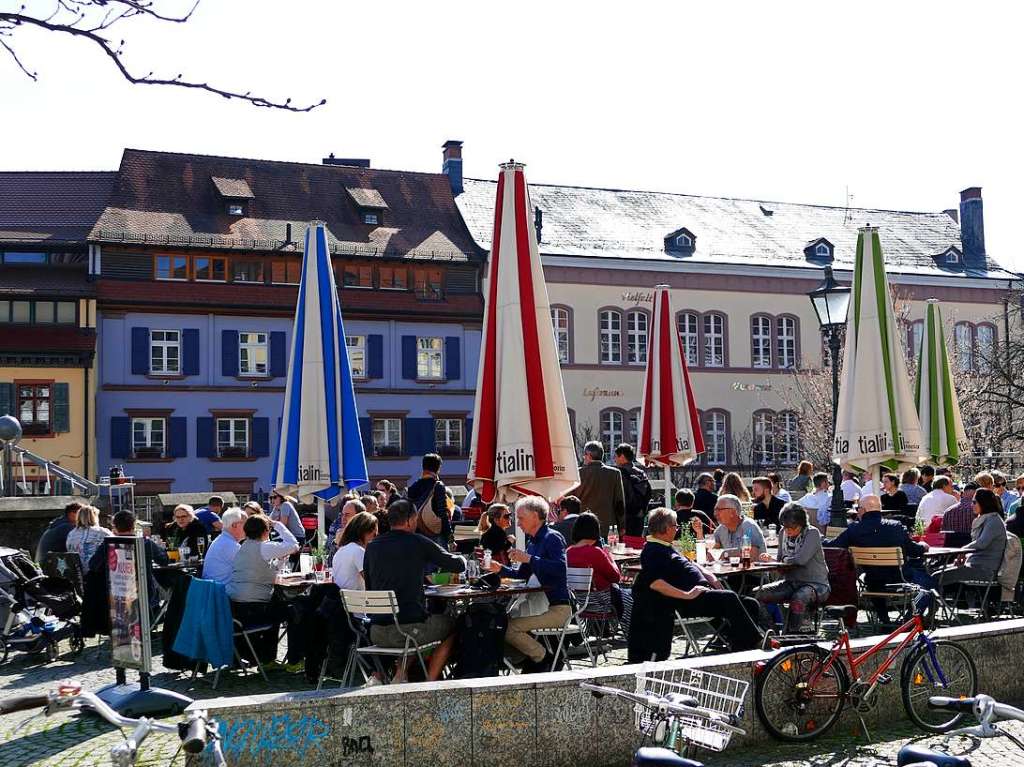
{"x":656,"y":701}
{"x":23,"y":703}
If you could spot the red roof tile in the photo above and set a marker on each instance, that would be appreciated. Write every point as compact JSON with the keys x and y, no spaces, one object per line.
{"x":50,"y":339}
{"x":51,"y":206}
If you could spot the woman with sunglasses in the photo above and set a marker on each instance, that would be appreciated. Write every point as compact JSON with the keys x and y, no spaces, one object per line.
{"x":493,"y":527}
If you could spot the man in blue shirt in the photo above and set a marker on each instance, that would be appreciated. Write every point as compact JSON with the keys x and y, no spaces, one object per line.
{"x":544,"y":558}
{"x":209,"y":515}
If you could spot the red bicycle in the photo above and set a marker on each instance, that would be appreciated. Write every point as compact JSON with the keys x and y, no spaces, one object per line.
{"x":800,"y":693}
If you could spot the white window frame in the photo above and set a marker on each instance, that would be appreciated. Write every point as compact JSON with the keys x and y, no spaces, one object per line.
{"x":632,"y":435}
{"x":787,"y":440}
{"x":964,"y":343}
{"x":916,"y":337}
{"x":785,"y":347}
{"x":449,"y":432}
{"x":149,"y":433}
{"x":821,"y":250}
{"x":684,"y":241}
{"x":233,"y":433}
{"x":761,"y":341}
{"x":716,"y":439}
{"x":637,"y":330}
{"x":560,"y":328}
{"x":714,"y":337}
{"x":356,"y":347}
{"x":391,"y":433}
{"x":170,"y":339}
{"x":983,"y":350}
{"x":610,"y":336}
{"x":952,"y":257}
{"x":612,"y":430}
{"x":763,"y":448}
{"x":250,"y":344}
{"x":373,"y":219}
{"x":429,"y":358}
{"x":688,"y":327}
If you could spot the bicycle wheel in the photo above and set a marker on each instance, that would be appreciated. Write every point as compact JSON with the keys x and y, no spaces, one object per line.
{"x":920,"y":680}
{"x":787,"y":706}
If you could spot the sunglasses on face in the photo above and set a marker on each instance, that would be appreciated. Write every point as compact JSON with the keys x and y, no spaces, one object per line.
{"x":179,"y":516}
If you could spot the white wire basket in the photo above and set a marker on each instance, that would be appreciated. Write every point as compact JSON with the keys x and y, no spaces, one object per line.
{"x":713,"y":691}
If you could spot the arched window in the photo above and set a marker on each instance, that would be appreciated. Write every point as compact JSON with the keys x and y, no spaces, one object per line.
{"x":915,"y":338}
{"x":963,"y":333}
{"x":633,"y":427}
{"x":612,"y":434}
{"x":785,"y":334}
{"x":716,"y":437}
{"x":636,"y":337}
{"x":788,"y":438}
{"x":764,"y":437}
{"x":572,"y":423}
{"x":714,"y":340}
{"x":760,"y":341}
{"x":688,"y":325}
{"x":561,"y":325}
{"x":984,"y":347}
{"x":610,"y":326}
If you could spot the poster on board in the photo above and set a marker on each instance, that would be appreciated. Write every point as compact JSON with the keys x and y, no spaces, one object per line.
{"x":129,"y":603}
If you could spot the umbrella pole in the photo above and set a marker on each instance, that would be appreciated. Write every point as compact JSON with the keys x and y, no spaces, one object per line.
{"x":321,"y":533}
{"x":668,"y":487}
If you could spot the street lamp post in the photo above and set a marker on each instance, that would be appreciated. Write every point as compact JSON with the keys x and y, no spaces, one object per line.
{"x":831,"y":303}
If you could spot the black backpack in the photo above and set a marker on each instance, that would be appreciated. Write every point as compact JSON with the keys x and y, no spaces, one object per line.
{"x":482,"y":649}
{"x":637,"y":490}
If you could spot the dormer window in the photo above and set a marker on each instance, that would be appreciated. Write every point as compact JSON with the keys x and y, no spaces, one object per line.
{"x":951,"y":257}
{"x":370,"y":205}
{"x":819,"y":250}
{"x":681,"y":242}
{"x":236,"y":209}
{"x":235,"y":193}
{"x":371,"y":218}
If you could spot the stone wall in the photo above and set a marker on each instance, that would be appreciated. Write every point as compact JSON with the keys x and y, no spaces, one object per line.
{"x":24,"y":518}
{"x":542,"y":720}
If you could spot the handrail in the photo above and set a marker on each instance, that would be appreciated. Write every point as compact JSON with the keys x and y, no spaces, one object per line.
{"x":90,"y":487}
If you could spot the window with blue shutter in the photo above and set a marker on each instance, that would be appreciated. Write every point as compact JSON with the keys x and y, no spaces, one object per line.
{"x":409,"y":358}
{"x":278,"y":355}
{"x":206,"y":444}
{"x":260,"y":437}
{"x":140,"y":351}
{"x":60,"y":416}
{"x":375,"y":356}
{"x":452,"y":359}
{"x":419,"y":436}
{"x":6,"y":399}
{"x":229,"y":353}
{"x":468,"y":437}
{"x":177,"y":445}
{"x":190,"y":352}
{"x":366,"y":432}
{"x":120,"y":437}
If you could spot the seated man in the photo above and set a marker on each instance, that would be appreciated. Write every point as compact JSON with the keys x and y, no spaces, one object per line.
{"x":544,"y":558}
{"x":569,"y":508}
{"x":733,"y":526}
{"x":767,"y":505}
{"x":819,"y":502}
{"x":219,"y":562}
{"x":55,"y":537}
{"x":123,"y":523}
{"x":209,"y":515}
{"x":870,"y":530}
{"x":396,"y":561}
{"x":685,"y":513}
{"x":668,"y":583}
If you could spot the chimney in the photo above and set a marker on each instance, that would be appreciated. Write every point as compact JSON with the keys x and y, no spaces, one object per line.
{"x":452,"y":165}
{"x":352,"y":162}
{"x":538,"y":222}
{"x":953,"y":213}
{"x":972,"y":227}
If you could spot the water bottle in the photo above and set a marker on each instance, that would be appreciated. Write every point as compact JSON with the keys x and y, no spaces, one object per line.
{"x":613,"y":537}
{"x":702,"y":551}
{"x":773,"y":535}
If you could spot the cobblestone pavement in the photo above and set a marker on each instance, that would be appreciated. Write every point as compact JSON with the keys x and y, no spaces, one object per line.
{"x":64,"y":740}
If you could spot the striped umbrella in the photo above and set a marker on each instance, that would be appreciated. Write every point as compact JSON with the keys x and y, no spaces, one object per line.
{"x":942,"y":428}
{"x":670,"y":432}
{"x":877,"y":425}
{"x":521,"y":443}
{"x":319,"y":451}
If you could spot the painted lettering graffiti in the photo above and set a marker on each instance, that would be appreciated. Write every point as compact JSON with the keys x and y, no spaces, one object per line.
{"x":301,"y":736}
{"x":360,"y":745}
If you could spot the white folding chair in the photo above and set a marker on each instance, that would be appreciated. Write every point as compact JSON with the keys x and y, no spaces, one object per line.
{"x":578,"y":580}
{"x":380,"y":603}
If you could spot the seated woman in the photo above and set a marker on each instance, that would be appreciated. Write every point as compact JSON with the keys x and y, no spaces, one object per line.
{"x":187,"y":529}
{"x":805,"y":584}
{"x":251,"y":589}
{"x":586,"y":551}
{"x":493,"y":527}
{"x":87,"y":535}
{"x":988,"y":543}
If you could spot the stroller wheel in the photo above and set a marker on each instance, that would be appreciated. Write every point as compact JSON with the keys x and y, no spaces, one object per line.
{"x":52,"y":650}
{"x":77,"y":643}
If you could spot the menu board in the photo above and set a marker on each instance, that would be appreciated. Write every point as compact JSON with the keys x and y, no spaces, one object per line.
{"x":129,"y":603}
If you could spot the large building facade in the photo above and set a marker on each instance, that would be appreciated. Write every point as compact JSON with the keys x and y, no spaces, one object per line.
{"x":196,"y":263}
{"x":739,"y":273}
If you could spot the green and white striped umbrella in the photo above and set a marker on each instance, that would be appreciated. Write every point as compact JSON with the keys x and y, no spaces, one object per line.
{"x":942,"y":427}
{"x":877,"y":425}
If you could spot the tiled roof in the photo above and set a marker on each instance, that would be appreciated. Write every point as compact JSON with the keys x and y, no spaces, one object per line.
{"x":166,"y":198}
{"x":60,"y":206}
{"x":48,"y":339}
{"x":51,"y":281}
{"x":235,"y":188}
{"x":367,"y":198}
{"x":624,"y":224}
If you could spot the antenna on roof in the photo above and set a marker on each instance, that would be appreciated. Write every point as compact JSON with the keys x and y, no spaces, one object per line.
{"x":849,"y":199}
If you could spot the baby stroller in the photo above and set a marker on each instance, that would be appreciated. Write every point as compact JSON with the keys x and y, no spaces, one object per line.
{"x":36,"y":611}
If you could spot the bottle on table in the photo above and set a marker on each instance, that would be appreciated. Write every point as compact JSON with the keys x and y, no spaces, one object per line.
{"x":613,"y":537}
{"x":746,"y":555}
{"x":487,"y":560}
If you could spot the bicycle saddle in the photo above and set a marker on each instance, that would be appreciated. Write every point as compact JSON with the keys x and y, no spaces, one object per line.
{"x":919,"y":755}
{"x":650,"y":756}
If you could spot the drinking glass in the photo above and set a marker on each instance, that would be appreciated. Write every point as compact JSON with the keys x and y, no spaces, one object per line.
{"x":183,"y":552}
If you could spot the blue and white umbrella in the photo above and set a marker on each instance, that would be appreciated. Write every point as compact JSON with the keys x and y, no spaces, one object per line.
{"x":319,"y":450}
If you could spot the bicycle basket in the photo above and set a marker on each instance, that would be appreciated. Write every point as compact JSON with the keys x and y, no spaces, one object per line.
{"x":713,"y":691}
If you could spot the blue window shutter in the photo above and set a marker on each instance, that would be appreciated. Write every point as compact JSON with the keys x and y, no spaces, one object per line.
{"x":6,"y":399}
{"x":260,"y":437}
{"x":375,"y":356}
{"x":120,"y":437}
{"x":206,"y":446}
{"x":177,"y":447}
{"x":278,"y":355}
{"x":190,"y":352}
{"x":366,"y":432}
{"x":468,"y":436}
{"x":409,"y":358}
{"x":452,"y":359}
{"x":419,"y":436}
{"x":60,"y":417}
{"x":140,"y":351}
{"x":229,"y":353}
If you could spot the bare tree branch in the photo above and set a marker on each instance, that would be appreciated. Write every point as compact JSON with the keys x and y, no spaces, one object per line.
{"x":21,"y":66}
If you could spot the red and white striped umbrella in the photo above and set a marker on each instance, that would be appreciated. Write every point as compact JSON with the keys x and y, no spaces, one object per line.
{"x":670,"y":431}
{"x":522,"y":443}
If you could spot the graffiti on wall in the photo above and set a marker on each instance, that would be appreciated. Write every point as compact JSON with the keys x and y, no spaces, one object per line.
{"x":300,"y":735}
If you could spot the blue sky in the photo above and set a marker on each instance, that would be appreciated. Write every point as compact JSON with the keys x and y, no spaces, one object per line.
{"x":901,"y":104}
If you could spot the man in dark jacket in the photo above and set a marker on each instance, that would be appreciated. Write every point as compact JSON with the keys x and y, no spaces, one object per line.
{"x":430,"y":485}
{"x":871,"y":530}
{"x":636,"y":489}
{"x":56,"y":535}
{"x":766,"y":506}
{"x":705,"y":497}
{"x":600,"y":489}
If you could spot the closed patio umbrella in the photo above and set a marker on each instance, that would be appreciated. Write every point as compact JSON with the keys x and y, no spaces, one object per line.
{"x":942,"y":427}
{"x":319,"y":451}
{"x":522,"y":443}
{"x":877,"y":425}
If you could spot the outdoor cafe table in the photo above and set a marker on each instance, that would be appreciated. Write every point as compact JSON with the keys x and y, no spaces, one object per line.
{"x":455,"y":593}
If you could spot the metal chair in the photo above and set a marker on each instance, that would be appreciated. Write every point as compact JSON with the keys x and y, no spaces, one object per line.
{"x":578,"y":580}
{"x":865,"y":558}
